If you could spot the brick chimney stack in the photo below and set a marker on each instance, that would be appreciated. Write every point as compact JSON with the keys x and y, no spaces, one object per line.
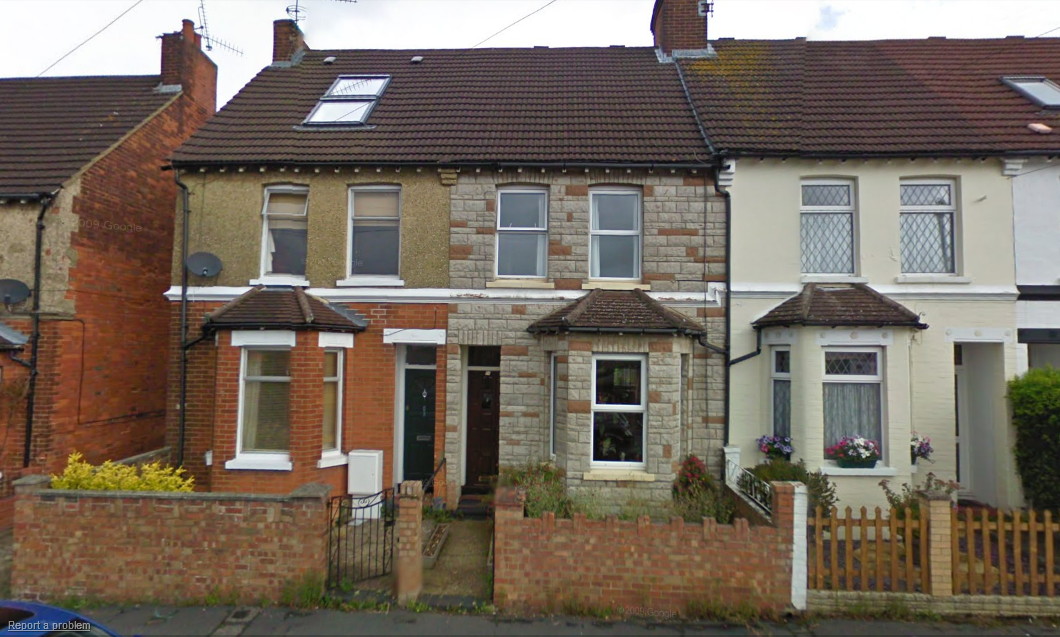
{"x":677,"y":26}
{"x":185,"y":65}
{"x":288,"y":42}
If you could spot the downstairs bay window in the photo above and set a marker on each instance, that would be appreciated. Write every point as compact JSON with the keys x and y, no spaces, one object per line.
{"x":619,"y":410}
{"x":263,"y":438}
{"x":853,"y":382}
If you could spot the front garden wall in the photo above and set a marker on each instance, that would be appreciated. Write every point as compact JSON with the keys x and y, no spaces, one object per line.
{"x":640,"y":567}
{"x":122,"y":546}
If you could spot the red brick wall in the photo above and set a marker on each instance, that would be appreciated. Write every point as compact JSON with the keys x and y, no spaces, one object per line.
{"x":369,"y":394}
{"x":640,"y":567}
{"x":101,"y":384}
{"x":678,"y":25}
{"x":166,"y":547}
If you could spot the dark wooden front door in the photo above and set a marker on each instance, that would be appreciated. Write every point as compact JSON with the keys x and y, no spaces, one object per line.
{"x":419,"y":424}
{"x":483,"y":427}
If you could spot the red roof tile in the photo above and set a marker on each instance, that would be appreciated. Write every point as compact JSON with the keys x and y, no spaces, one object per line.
{"x":283,"y":308}
{"x":630,"y":312}
{"x":840,"y":304}
{"x":886,"y":97}
{"x":51,"y":127}
{"x":589,"y":105}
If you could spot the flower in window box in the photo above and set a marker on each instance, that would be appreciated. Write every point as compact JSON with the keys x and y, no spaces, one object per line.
{"x":920,"y":447}
{"x":776,"y":447}
{"x":854,"y":452}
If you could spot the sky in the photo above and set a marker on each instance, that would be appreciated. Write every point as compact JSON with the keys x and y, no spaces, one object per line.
{"x":40,"y":32}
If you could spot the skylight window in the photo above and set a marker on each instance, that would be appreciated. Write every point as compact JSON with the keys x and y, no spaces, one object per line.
{"x":350,"y":100}
{"x":1038,"y":89}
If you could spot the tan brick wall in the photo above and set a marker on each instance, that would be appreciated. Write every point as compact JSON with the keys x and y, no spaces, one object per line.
{"x":128,"y":547}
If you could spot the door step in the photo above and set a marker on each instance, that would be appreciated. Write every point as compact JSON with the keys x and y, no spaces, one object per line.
{"x":475,"y":506}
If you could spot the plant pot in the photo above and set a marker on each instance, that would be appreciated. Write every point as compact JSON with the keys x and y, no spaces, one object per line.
{"x":913,"y":457}
{"x":855,"y":463}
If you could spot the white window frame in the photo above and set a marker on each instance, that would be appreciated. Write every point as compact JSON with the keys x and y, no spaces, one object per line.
{"x":334,"y":456}
{"x":850,"y":210}
{"x":267,"y":277}
{"x":642,"y":408}
{"x":952,"y":209}
{"x":370,"y":279}
{"x":638,"y":232}
{"x":876,"y":379}
{"x":775,"y":375}
{"x":256,"y":460}
{"x":329,"y":97}
{"x":540,"y":232}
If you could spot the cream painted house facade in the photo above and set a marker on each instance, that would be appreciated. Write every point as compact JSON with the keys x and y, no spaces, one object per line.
{"x":860,"y":221}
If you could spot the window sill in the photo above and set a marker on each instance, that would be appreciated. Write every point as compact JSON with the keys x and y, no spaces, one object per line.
{"x":331,"y":459}
{"x":540,"y":284}
{"x":271,"y":279}
{"x":261,"y":462}
{"x":833,"y":278}
{"x":830,"y":469}
{"x":932,"y":278}
{"x":621,"y":284}
{"x":370,"y":281}
{"x":622,"y":475}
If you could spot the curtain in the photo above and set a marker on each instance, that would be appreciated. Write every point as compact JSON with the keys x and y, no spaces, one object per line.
{"x":851,"y":409}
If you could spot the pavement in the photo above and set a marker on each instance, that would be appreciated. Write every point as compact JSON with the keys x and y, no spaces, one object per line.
{"x":228,"y":620}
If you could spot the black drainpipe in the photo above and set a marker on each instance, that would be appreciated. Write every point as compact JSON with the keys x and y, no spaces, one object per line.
{"x":186,"y":210}
{"x":46,"y":201}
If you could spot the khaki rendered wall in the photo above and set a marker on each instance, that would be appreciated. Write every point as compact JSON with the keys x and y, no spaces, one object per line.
{"x":17,"y":243}
{"x":919,"y":378}
{"x":226,"y":220}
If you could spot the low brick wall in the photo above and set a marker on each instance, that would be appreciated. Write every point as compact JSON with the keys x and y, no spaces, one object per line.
{"x":122,"y":546}
{"x":640,"y":567}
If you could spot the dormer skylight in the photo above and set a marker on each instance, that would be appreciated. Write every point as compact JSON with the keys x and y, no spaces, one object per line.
{"x":1040,"y":90}
{"x":350,"y":100}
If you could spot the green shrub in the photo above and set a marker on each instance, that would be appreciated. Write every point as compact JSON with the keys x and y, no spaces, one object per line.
{"x":819,"y":490}
{"x":1035,"y":398}
{"x":909,"y":496}
{"x":545,"y":486}
{"x":111,"y":476}
{"x":697,"y":496}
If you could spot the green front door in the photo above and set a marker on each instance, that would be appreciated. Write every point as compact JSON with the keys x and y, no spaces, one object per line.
{"x":418,"y":461}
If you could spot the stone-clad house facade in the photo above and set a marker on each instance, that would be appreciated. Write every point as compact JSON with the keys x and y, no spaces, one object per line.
{"x":505,"y":301}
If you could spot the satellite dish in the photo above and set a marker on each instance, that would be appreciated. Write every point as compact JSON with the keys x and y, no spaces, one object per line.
{"x":13,"y":291}
{"x":203,"y":264}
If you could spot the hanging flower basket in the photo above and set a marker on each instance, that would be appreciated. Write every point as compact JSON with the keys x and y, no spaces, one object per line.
{"x":776,"y":447}
{"x":919,"y":447}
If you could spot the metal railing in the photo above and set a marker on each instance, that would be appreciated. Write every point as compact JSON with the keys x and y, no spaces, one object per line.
{"x":758,"y":491}
{"x":360,"y":537}
{"x":428,"y":484}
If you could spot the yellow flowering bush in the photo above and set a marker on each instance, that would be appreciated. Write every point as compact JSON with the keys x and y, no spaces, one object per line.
{"x":112,"y":476}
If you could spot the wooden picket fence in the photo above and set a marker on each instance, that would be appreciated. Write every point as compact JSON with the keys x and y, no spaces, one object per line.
{"x":874,"y":552}
{"x":1005,"y":552}
{"x":992,"y":552}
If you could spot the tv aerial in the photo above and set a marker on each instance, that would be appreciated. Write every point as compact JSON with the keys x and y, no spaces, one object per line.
{"x":297,"y":13}
{"x":204,"y":264}
{"x":13,"y":291}
{"x":209,"y":40}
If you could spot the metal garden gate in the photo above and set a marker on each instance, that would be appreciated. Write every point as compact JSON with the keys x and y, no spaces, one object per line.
{"x":360,"y":537}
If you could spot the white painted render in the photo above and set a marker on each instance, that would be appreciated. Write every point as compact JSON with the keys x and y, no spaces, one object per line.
{"x":974,"y":305}
{"x":1036,"y":207}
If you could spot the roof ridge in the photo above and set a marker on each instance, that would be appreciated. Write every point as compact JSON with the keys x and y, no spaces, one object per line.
{"x":303,"y":304}
{"x":805,"y":300}
{"x":580,"y":306}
